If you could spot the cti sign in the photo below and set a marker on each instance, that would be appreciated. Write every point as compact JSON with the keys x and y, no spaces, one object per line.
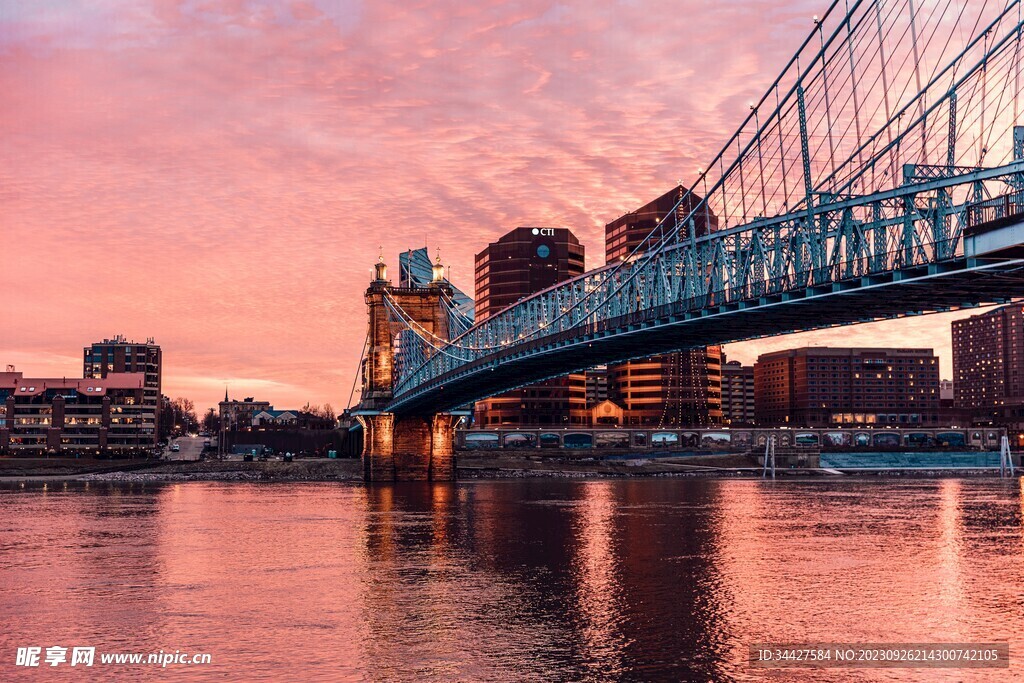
{"x":547,"y":232}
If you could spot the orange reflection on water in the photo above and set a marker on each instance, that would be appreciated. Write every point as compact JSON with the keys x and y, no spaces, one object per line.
{"x":595,"y":570}
{"x":950,"y":550}
{"x":552,"y":580}
{"x":268,"y":565}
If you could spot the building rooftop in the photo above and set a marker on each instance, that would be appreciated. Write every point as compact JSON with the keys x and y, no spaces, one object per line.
{"x":121,"y":339}
{"x":30,"y":386}
{"x":277,"y":413}
{"x":827,"y":350}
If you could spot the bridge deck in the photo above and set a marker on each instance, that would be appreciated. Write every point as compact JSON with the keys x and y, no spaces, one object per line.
{"x":992,"y":273}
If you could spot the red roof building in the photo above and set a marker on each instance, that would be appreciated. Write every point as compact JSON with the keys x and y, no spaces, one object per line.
{"x":75,"y":415}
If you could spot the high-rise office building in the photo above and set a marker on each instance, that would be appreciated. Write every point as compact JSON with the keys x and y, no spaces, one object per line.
{"x":737,"y":393}
{"x":597,"y":385}
{"x":637,"y":231}
{"x":823,"y":386}
{"x":520,"y":263}
{"x":988,"y":365}
{"x":118,"y":356}
{"x":675,"y":389}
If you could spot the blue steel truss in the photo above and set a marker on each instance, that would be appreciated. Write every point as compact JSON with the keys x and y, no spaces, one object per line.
{"x":886,"y":137}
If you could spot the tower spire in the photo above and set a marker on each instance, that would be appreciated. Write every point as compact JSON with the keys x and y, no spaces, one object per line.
{"x":380,"y":269}
{"x":437,"y":271}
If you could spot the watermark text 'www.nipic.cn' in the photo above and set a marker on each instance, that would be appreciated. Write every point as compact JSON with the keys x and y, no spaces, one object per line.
{"x":57,"y":655}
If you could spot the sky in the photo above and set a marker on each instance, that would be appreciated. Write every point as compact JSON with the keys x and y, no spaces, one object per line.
{"x":220,"y":174}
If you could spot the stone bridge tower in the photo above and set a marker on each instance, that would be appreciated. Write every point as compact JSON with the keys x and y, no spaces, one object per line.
{"x":402,"y":447}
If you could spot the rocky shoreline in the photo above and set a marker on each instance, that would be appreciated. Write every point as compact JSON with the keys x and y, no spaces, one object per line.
{"x":470,"y":467}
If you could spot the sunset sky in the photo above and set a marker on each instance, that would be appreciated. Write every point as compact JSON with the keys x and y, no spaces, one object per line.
{"x":219,"y":175}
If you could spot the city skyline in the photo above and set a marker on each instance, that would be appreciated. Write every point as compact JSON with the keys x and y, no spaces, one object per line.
{"x":220,"y":176}
{"x":491,"y":340}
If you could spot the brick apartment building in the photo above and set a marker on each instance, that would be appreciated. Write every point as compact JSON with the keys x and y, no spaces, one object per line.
{"x":988,"y":361}
{"x":822,"y":386}
{"x":674,"y":389}
{"x":87,"y":416}
{"x":119,"y":355}
{"x":988,"y":368}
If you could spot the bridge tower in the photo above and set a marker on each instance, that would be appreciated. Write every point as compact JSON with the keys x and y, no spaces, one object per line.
{"x":402,"y":447}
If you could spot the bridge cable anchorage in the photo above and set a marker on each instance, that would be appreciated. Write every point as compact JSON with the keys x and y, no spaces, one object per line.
{"x":1005,"y":458}
{"x":769,"y":458}
{"x":845,"y":151}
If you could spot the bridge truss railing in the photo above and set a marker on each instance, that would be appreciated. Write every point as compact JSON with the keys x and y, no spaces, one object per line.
{"x":918,"y":224}
{"x":996,"y":208}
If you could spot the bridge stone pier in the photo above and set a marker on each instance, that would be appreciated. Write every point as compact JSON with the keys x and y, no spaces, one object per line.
{"x":418,"y":447}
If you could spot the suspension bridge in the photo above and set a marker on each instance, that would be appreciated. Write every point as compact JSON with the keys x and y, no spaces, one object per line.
{"x":880,"y":175}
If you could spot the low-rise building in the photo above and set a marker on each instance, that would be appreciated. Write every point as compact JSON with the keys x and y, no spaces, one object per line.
{"x":235,"y":414}
{"x":290,"y":419}
{"x":605,"y":413}
{"x":82,"y":416}
{"x":248,"y":422}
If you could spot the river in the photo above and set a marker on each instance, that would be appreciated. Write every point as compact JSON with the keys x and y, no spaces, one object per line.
{"x":536,"y":579}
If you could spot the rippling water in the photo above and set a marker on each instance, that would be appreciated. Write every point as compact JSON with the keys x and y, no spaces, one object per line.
{"x":520,"y":580}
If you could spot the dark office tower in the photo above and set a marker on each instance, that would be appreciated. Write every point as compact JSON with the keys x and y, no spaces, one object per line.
{"x":521,"y":263}
{"x":988,"y":364}
{"x":737,"y":393}
{"x":675,"y":389}
{"x":117,"y":356}
{"x":821,"y":386}
{"x":635,"y":231}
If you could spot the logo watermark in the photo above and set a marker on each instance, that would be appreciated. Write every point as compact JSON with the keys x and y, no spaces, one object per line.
{"x":81,"y":656}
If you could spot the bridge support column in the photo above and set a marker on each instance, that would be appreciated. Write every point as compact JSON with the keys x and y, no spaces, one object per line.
{"x":442,"y":447}
{"x":408,"y":448}
{"x":378,"y":447}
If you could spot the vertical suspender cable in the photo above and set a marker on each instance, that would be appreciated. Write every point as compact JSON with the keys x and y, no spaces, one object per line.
{"x":828,"y":103}
{"x":885,"y":91}
{"x":922,"y":105}
{"x":782,"y":151}
{"x":853,"y":85}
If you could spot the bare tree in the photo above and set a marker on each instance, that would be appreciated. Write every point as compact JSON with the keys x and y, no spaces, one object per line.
{"x":183,"y":411}
{"x":211,"y":421}
{"x":326,"y":412}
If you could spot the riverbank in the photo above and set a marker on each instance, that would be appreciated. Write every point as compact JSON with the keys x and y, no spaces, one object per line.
{"x":503,"y":466}
{"x":198,"y":470}
{"x":475,"y":466}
